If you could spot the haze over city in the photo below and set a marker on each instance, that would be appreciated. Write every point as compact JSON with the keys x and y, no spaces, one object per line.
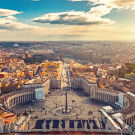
{"x":54,"y":20}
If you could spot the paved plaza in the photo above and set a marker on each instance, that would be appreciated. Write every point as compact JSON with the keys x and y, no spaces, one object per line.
{"x":86,"y":108}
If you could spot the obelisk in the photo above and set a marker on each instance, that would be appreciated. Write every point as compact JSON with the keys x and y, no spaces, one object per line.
{"x":66,"y":102}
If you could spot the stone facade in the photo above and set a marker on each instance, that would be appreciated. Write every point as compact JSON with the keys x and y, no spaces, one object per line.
{"x":82,"y":83}
{"x":54,"y":83}
{"x":47,"y":85}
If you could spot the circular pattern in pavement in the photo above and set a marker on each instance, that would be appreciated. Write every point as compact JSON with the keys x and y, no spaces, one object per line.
{"x":60,"y":111}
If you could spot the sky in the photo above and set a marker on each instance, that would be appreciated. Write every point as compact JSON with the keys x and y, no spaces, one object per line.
{"x":66,"y":20}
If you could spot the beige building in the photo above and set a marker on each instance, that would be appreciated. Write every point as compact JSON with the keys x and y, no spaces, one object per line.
{"x":47,"y":84}
{"x":82,"y":83}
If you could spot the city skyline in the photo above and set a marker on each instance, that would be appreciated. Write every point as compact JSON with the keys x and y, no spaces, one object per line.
{"x":41,"y":20}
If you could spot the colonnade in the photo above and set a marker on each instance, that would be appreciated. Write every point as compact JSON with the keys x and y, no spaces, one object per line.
{"x":130,"y":121}
{"x":19,"y":97}
{"x":104,"y":96}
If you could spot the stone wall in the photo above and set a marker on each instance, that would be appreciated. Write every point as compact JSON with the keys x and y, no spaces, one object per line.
{"x":82,"y":83}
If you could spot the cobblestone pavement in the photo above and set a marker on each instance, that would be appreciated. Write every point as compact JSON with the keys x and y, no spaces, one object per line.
{"x":42,"y":109}
{"x":87,"y":108}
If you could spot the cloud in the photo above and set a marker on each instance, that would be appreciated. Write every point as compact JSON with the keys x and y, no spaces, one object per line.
{"x":120,"y":4}
{"x":100,"y":11}
{"x":103,"y":7}
{"x":72,"y":18}
{"x":7,"y":12}
{"x":9,"y":22}
{"x":11,"y":18}
{"x":35,"y":0}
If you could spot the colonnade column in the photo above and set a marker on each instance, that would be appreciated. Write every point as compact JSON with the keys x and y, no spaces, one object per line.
{"x":95,"y":95}
{"x":30,"y":96}
{"x":101,"y":96}
{"x":130,"y":121}
{"x":91,"y":94}
{"x":27,"y":97}
{"x":106,"y":97}
{"x":16,"y":101}
{"x":12,"y":102}
{"x":24,"y":98}
{"x":19,"y":99}
{"x":113,"y":99}
{"x":109,"y":98}
{"x":126,"y":122}
{"x":9,"y":103}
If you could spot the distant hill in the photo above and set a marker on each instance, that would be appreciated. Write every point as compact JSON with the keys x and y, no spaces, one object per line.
{"x":11,"y":44}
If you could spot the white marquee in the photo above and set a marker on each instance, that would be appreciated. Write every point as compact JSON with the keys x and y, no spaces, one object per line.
{"x":39,"y":92}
